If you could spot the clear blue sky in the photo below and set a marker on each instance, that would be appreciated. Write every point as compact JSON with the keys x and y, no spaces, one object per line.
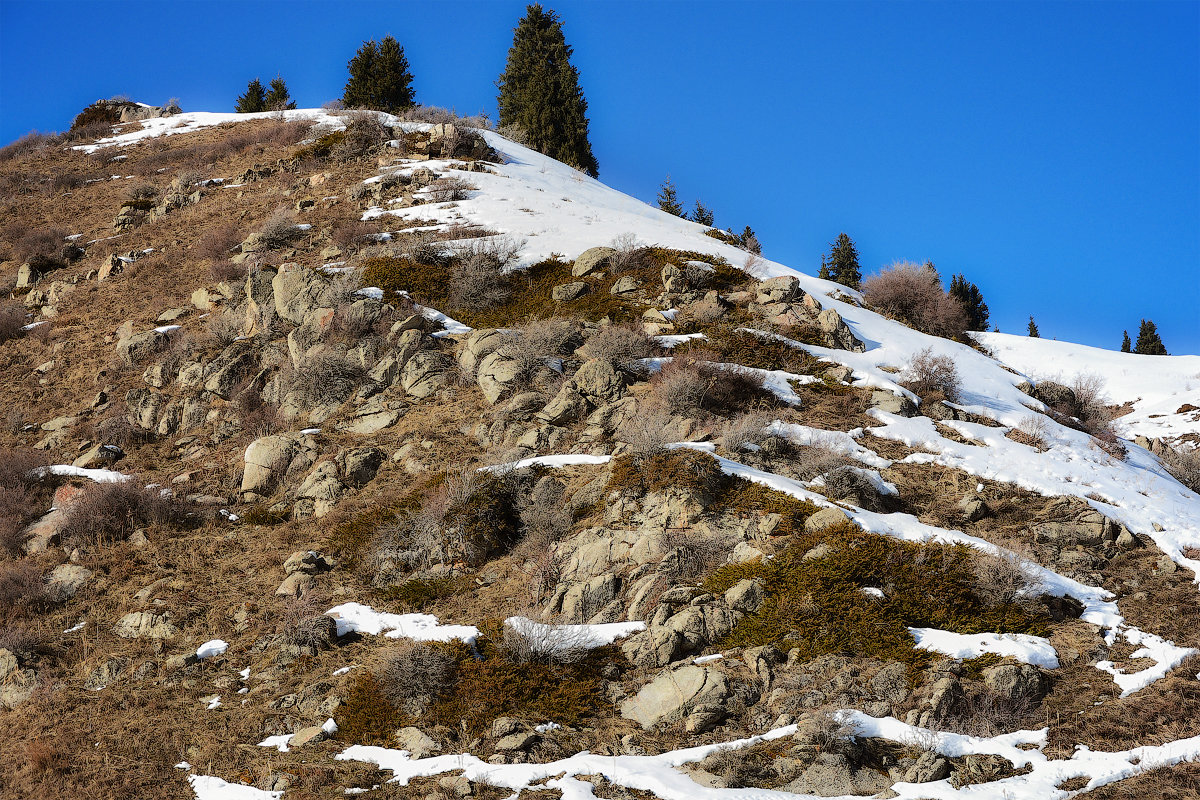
{"x":1049,"y":151}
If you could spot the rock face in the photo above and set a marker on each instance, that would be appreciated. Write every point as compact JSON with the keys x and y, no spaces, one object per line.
{"x":268,"y":460}
{"x":674,"y":693}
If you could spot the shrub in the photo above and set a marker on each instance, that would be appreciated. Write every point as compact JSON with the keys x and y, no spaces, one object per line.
{"x":1030,"y":431}
{"x":544,"y":512}
{"x":529,"y":642}
{"x":913,"y":294}
{"x":21,"y":587}
{"x":478,"y":278}
{"x":690,"y":384}
{"x":647,"y":433}
{"x":850,"y":482}
{"x":425,"y":283}
{"x":30,"y":143}
{"x":747,"y":429}
{"x":529,"y":345}
{"x":691,"y":554}
{"x":328,"y":377}
{"x":1005,"y":579}
{"x":351,"y":233}
{"x":12,"y":320}
{"x":279,"y":230}
{"x":413,"y":674}
{"x":99,"y":112}
{"x":445,"y":190}
{"x":928,"y":373}
{"x":108,"y":512}
{"x":224,"y":326}
{"x":620,"y":345}
{"x":684,"y":469}
{"x":43,"y":247}
{"x":217,"y":243}
{"x":364,"y":137}
{"x":302,"y":625}
{"x":1184,"y":465}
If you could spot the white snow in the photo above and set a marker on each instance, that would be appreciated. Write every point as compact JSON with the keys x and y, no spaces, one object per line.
{"x":244,"y":674}
{"x":279,"y":742}
{"x":837,"y":441}
{"x":167,"y":328}
{"x":97,"y":475}
{"x":708,"y":659}
{"x":207,"y":787}
{"x":212,"y":648}
{"x":342,"y":670}
{"x":874,"y":591}
{"x":567,"y":460}
{"x":75,"y":628}
{"x":589,"y":636}
{"x":422,"y":627}
{"x":370,"y":292}
{"x":1023,"y":647}
{"x":670,"y":340}
{"x":213,"y":702}
{"x":183,"y":765}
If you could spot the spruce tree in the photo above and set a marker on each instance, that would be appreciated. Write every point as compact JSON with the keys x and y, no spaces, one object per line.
{"x":254,"y":100}
{"x":379,"y":78}
{"x":278,"y":99}
{"x":668,"y":201}
{"x":750,"y":241}
{"x":540,"y":93}
{"x":843,"y":262}
{"x":1148,"y":342}
{"x":823,"y":274}
{"x":1126,"y":345}
{"x":702,"y":214}
{"x":971,"y":299}
{"x":1033,"y":330}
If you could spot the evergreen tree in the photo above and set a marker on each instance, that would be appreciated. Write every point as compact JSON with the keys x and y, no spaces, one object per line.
{"x":1033,"y":331}
{"x":824,"y":272}
{"x":1148,"y":342}
{"x":971,"y":298}
{"x":279,"y":99}
{"x":750,"y":241}
{"x":379,"y":78}
{"x":843,"y":262}
{"x":540,"y":93}
{"x":1126,"y":345}
{"x":254,"y":100}
{"x":668,"y":201}
{"x":702,"y":214}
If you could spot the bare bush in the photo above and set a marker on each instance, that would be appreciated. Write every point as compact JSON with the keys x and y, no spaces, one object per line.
{"x":479,"y":270}
{"x":1091,"y":401}
{"x":620,"y":345}
{"x":747,"y":431}
{"x":850,"y":482}
{"x":279,"y":230}
{"x":692,"y":383}
{"x":445,"y":190}
{"x":647,"y":433}
{"x":1030,"y":431}
{"x":817,"y":458}
{"x":627,"y":255}
{"x":1005,"y":578}
{"x":224,"y":326}
{"x":530,"y":346}
{"x":108,"y":512}
{"x":529,"y":642}
{"x":514,"y":133}
{"x":437,"y":115}
{"x":545,"y":515}
{"x":827,"y":731}
{"x":1184,"y":465}
{"x":12,"y":320}
{"x":142,"y":192}
{"x":929,"y":373}
{"x":302,"y":625}
{"x":217,"y":243}
{"x":413,"y":674}
{"x":691,"y":555}
{"x":349,"y":234}
{"x":329,"y":377}
{"x":365,"y":136}
{"x":27,"y":145}
{"x":18,"y":502}
{"x":914,"y":295}
{"x":21,"y":587}
{"x":42,"y":247}
{"x":411,"y":541}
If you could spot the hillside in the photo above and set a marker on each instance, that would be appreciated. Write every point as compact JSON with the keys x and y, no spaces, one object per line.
{"x":351,"y":455}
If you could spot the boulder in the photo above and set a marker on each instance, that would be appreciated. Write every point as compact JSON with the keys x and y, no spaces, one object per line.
{"x":267,"y":460}
{"x":892,"y":403}
{"x":674,"y":693}
{"x":67,"y":579}
{"x":139,"y":347}
{"x":592,"y":260}
{"x":416,"y":742}
{"x":624,"y":285}
{"x":745,"y":596}
{"x":930,"y":767}
{"x":145,"y":625}
{"x":426,"y":372}
{"x":599,"y":382}
{"x":569,"y":291}
{"x":478,"y":344}
{"x":1015,"y":682}
{"x":497,"y":376}
{"x":825,"y":518}
{"x":784,"y":289}
{"x":16,"y":684}
{"x":837,"y":333}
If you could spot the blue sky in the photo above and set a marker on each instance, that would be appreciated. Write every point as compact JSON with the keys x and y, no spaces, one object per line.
{"x":1048,"y":151}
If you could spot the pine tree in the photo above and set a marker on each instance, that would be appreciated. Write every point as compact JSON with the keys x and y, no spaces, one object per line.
{"x":1149,"y":343}
{"x":278,"y":99}
{"x":668,"y":201}
{"x":379,"y":78}
{"x":824,"y":273}
{"x":702,"y":214}
{"x":1033,"y":331}
{"x":1126,"y":345}
{"x":254,"y":100}
{"x":843,"y":262}
{"x":750,"y":241}
{"x":971,"y":298}
{"x":540,"y":93}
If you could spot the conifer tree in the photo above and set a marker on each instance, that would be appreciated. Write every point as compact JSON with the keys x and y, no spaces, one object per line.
{"x":843,"y":262}
{"x":254,"y":100}
{"x":668,"y":201}
{"x":702,"y":214}
{"x":540,"y":93}
{"x":1149,"y":343}
{"x":278,"y":98}
{"x":750,"y":241}
{"x":379,"y":78}
{"x":1126,"y":345}
{"x":1033,"y":330}
{"x":971,"y":299}
{"x":823,"y":274}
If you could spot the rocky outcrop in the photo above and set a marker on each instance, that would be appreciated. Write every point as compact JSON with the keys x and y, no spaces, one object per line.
{"x":268,"y":460}
{"x":145,"y":625}
{"x":325,"y":485}
{"x":674,"y":693}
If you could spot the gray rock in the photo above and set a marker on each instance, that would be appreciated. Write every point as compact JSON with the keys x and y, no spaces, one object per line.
{"x":783,"y":289}
{"x":569,"y":291}
{"x":67,"y":579}
{"x":930,"y":766}
{"x":416,"y":742}
{"x":145,"y":625}
{"x":598,"y":382}
{"x":624,"y":285}
{"x":892,"y":403}
{"x":139,"y":347}
{"x":309,"y":735}
{"x":267,"y":459}
{"x":592,"y":260}
{"x":704,"y":718}
{"x":1054,"y":394}
{"x":825,"y":518}
{"x":837,"y":333}
{"x":521,"y":740}
{"x":746,"y":596}
{"x":479,"y":343}
{"x":1015,"y":681}
{"x":497,"y":376}
{"x":426,"y":372}
{"x":358,"y":466}
{"x":973,"y":508}
{"x":674,"y":693}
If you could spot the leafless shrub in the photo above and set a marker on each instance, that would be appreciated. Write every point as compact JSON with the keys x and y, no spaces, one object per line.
{"x":445,"y":190}
{"x":914,"y":295}
{"x":746,"y":429}
{"x":826,"y":731}
{"x":817,"y":458}
{"x":12,"y":320}
{"x":436,"y":115}
{"x":479,"y":282}
{"x":626,"y":257}
{"x":620,"y":345}
{"x":114,"y":427}
{"x":18,"y":504}
{"x":1091,"y":401}
{"x":692,"y":383}
{"x":984,"y":713}
{"x":28,"y":144}
{"x":65,"y":182}
{"x":928,"y":373}
{"x":647,"y":433}
{"x":42,"y":246}
{"x":217,"y":243}
{"x":21,"y":587}
{"x":698,"y":315}
{"x":411,"y":541}
{"x":528,"y":642}
{"x":279,"y":230}
{"x":691,"y":555}
{"x":108,"y":512}
{"x":1005,"y":578}
{"x":256,"y":416}
{"x":349,"y":234}
{"x":351,"y":322}
{"x":142,"y":192}
{"x":224,"y":326}
{"x":365,"y":136}
{"x":1030,"y":431}
{"x":413,"y":674}
{"x":545,"y":516}
{"x":530,"y":346}
{"x":850,"y":482}
{"x":514,"y":133}
{"x":329,"y":377}
{"x":302,"y":625}
{"x":1184,"y":465}
{"x":544,"y":569}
